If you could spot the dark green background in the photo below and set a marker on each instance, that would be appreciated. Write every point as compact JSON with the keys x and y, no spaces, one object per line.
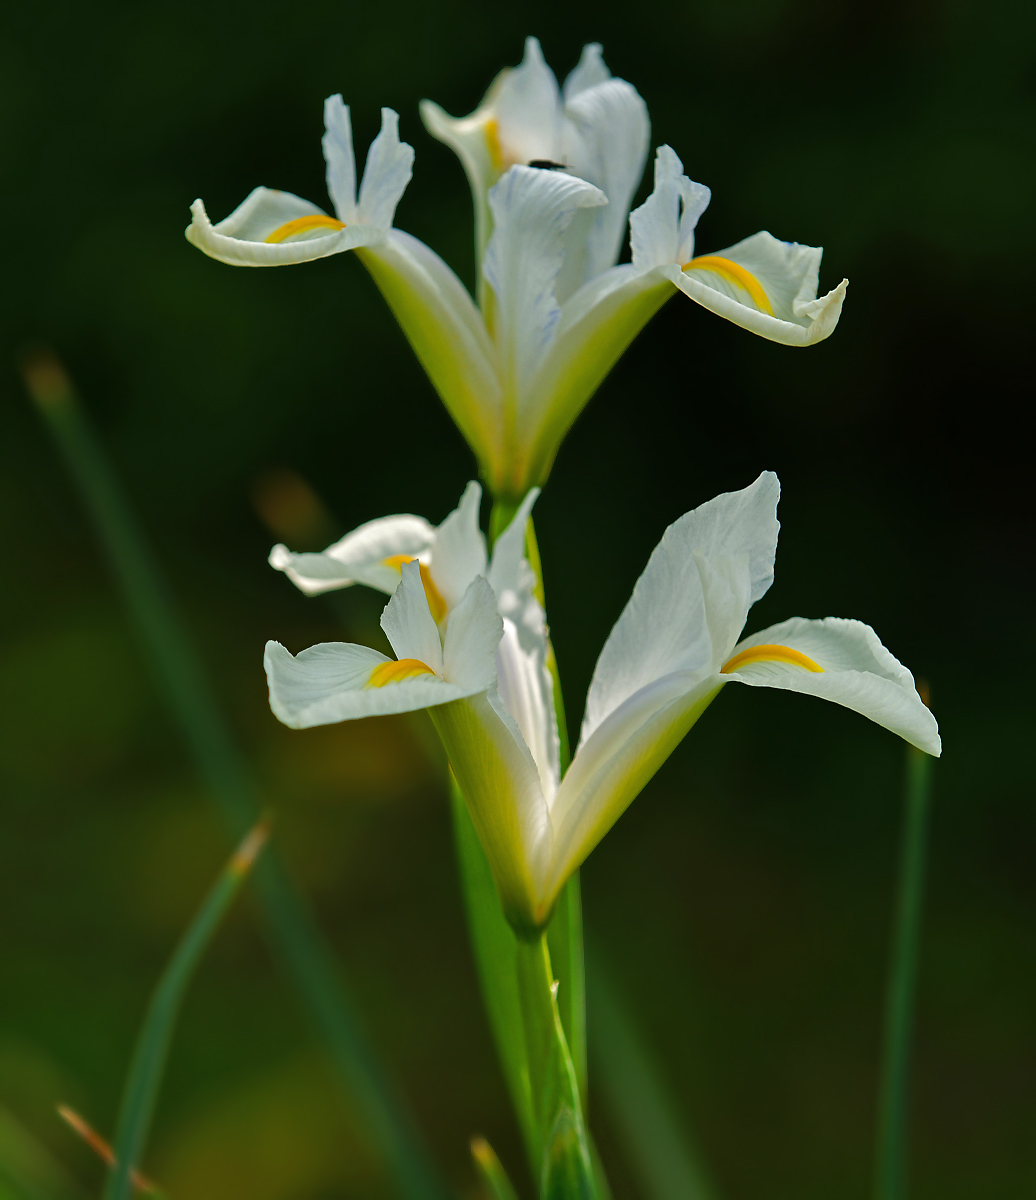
{"x":744,"y":901}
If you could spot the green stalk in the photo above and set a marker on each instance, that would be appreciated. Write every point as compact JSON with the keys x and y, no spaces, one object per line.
{"x":891,"y":1169}
{"x":152,"y":1049}
{"x":297,"y":942}
{"x":666,"y":1163}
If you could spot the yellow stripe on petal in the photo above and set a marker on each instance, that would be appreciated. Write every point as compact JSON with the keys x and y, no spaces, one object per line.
{"x":436,"y":604}
{"x":777,"y":654}
{"x":304,"y":225}
{"x":734,"y":273}
{"x":396,"y":672}
{"x":496,"y":154}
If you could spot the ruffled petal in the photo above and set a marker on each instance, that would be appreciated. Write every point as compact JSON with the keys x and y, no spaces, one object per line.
{"x":242,"y":238}
{"x":846,"y":663}
{"x":335,"y":681}
{"x":662,"y":229}
{"x":770,"y":289}
{"x":359,"y":557}
{"x":389,"y":168}
{"x":337,"y":144}
{"x":691,"y":601}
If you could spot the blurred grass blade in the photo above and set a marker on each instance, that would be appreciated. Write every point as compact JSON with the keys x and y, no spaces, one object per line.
{"x":101,"y":1148}
{"x":658,"y":1150}
{"x":297,"y":942}
{"x":28,"y":1170}
{"x":491,"y":1170}
{"x":891,"y":1168}
{"x":152,"y":1049}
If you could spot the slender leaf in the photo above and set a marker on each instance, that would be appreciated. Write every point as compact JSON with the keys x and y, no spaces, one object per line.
{"x":297,"y":942}
{"x":891,"y":1169}
{"x":152,"y":1049}
{"x":658,"y":1149}
{"x":491,"y":1170}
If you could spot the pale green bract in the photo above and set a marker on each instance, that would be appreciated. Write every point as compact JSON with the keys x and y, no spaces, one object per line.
{"x":673,"y":648}
{"x":554,"y":311}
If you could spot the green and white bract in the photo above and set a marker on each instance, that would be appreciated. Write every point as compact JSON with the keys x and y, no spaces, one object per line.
{"x":671,"y":651}
{"x":554,"y":311}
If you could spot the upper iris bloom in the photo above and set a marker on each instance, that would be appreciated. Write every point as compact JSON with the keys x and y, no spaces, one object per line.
{"x":553,"y":172}
{"x":479,"y":668}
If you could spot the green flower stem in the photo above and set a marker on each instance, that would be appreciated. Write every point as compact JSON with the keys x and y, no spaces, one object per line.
{"x":297,"y":942}
{"x":891,"y":1174}
{"x":152,"y":1049}
{"x":658,"y":1149}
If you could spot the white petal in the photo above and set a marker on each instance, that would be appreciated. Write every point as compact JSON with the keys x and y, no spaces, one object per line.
{"x":526,"y":690}
{"x":460,"y":548}
{"x":613,"y":765}
{"x":359,"y":557}
{"x":408,"y":622}
{"x":788,"y":274}
{"x":527,"y":106}
{"x":691,"y":601}
{"x":588,"y":72}
{"x":531,"y":210}
{"x":662,"y":229}
{"x":472,"y":636}
{"x":607,"y":146}
{"x":858,"y":673}
{"x":447,"y":333}
{"x":596,"y":326}
{"x":329,"y":683}
{"x":501,"y":786}
{"x":509,"y":548}
{"x":240,"y":239}
{"x":389,"y":167}
{"x":337,"y":143}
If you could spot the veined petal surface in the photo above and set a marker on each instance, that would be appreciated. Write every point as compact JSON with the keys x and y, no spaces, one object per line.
{"x":472,"y":637}
{"x":331,"y":682}
{"x":337,"y":144}
{"x":856,"y":671}
{"x":389,"y":167}
{"x":662,"y":229}
{"x":363,"y":556}
{"x":408,"y":622}
{"x":788,"y":275}
{"x":691,"y":601}
{"x":240,"y":239}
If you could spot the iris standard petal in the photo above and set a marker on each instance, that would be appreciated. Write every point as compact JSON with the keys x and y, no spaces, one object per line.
{"x":460,"y":548}
{"x":691,"y":601}
{"x":472,"y":637}
{"x":408,"y":622}
{"x":527,"y":108}
{"x":531,"y":211}
{"x":340,"y":157}
{"x":370,"y":554}
{"x":587,"y":73}
{"x":839,"y":660}
{"x":337,"y":681}
{"x":388,"y":170}
{"x":662,"y":229}
{"x":447,"y":333}
{"x":301,"y":232}
{"x":766,"y":286}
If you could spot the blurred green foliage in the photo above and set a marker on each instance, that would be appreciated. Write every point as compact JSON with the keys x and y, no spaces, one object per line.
{"x":743,"y":904}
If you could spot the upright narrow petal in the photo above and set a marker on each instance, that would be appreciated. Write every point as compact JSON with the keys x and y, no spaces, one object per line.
{"x":472,"y":637}
{"x":337,"y":144}
{"x":337,"y":681}
{"x":842,"y":661}
{"x":369,"y":554}
{"x":691,"y":601}
{"x":460,"y":548}
{"x":766,"y":286}
{"x":527,"y":107}
{"x":607,"y":145}
{"x":588,"y":72}
{"x":531,"y":211}
{"x":509,"y":550}
{"x":273,"y":229}
{"x":389,"y":167}
{"x":662,"y":229}
{"x":408,"y":622}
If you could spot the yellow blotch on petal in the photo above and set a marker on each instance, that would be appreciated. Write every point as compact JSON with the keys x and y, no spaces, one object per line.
{"x":778,"y":654}
{"x":436,"y":603}
{"x":736,"y":274}
{"x":496,"y":154}
{"x":304,"y":225}
{"x":396,"y":672}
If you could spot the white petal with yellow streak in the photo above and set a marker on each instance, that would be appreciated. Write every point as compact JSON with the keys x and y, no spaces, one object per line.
{"x":459,"y":553}
{"x":857,"y":671}
{"x":408,"y":622}
{"x":240,"y":239}
{"x":359,"y":557}
{"x":787,"y":274}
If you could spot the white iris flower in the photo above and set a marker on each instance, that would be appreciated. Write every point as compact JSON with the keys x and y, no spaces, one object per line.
{"x":479,"y":669}
{"x":554,"y":311}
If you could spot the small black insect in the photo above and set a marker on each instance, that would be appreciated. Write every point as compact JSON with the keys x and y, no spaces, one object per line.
{"x":544,"y":164}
